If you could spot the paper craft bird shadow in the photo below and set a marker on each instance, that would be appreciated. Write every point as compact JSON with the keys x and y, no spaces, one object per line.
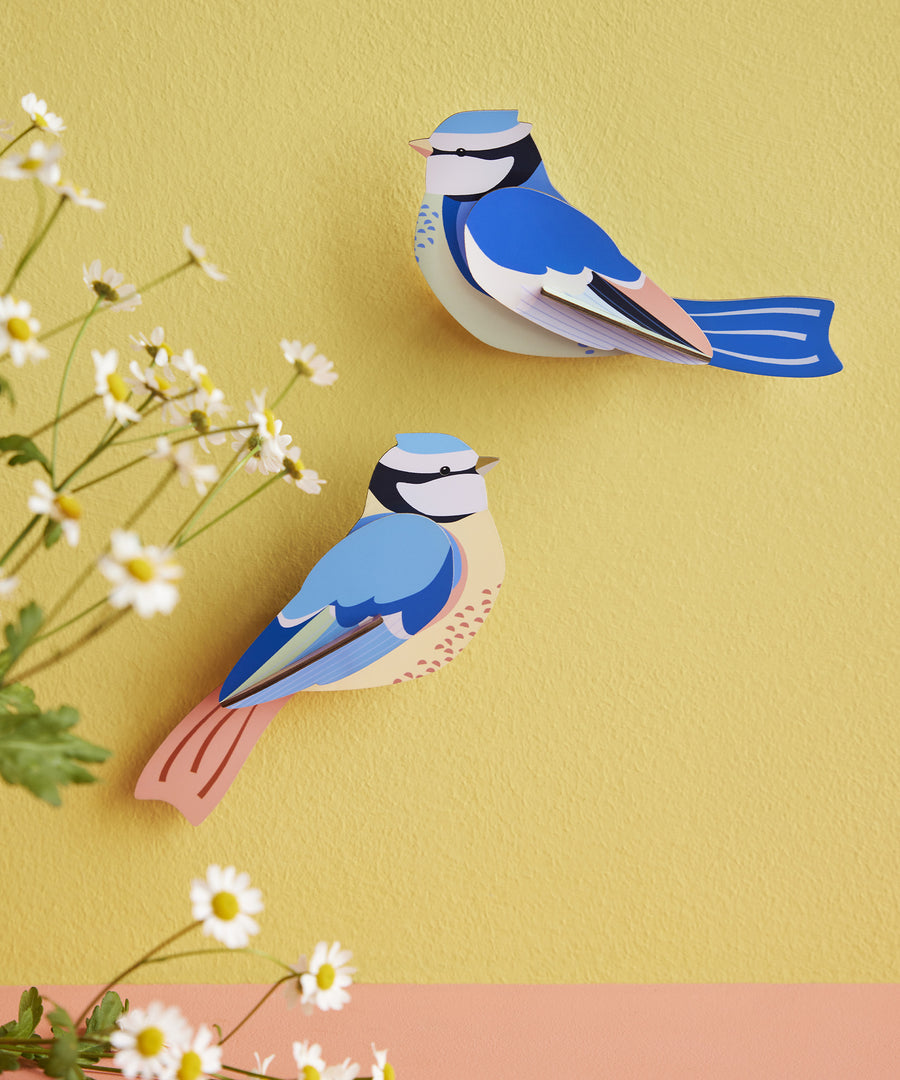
{"x":523,"y":270}
{"x":399,"y":597}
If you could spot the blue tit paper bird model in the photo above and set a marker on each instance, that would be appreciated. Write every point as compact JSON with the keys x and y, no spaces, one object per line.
{"x":397,"y":598}
{"x":523,"y":270}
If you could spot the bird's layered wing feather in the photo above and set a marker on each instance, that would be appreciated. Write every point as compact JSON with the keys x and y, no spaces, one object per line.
{"x":553,"y":265}
{"x":378,"y":586}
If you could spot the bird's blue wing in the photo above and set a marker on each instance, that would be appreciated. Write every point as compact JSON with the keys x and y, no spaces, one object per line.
{"x":530,"y":232}
{"x":546,"y":261}
{"x":402,"y":567}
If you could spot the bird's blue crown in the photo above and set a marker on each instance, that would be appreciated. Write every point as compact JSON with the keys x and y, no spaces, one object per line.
{"x":427,"y":442}
{"x":479,"y":122}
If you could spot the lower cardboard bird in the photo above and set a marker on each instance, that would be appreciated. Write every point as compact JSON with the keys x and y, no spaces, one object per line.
{"x":406,"y":589}
{"x":523,"y":270}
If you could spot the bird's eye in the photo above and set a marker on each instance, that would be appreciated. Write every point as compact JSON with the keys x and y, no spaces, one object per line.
{"x":460,"y":151}
{"x":445,"y":470}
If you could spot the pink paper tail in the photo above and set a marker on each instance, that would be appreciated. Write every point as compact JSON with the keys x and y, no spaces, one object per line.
{"x":195,"y":764}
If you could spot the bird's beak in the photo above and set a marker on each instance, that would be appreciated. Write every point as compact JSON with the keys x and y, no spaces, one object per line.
{"x":421,"y":146}
{"x":485,"y":464}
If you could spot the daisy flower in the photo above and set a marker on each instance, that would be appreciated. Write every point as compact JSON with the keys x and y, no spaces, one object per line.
{"x":57,"y":506}
{"x":142,"y":1039}
{"x":78,"y":195}
{"x":199,"y":411}
{"x":18,"y":332}
{"x":293,"y":989}
{"x":157,"y":379}
{"x":39,"y":162}
{"x":37,"y":111}
{"x":111,"y":387}
{"x":182,"y":457}
{"x":347,"y":1070}
{"x":310,"y":1063}
{"x":198,"y":375}
{"x":224,"y":902}
{"x":141,"y":576}
{"x":307,"y":480}
{"x":317,"y":368}
{"x":263,"y":1066}
{"x":324,"y":985}
{"x":196,"y":1058}
{"x":197,"y":253}
{"x":153,"y":345}
{"x":382,"y":1069}
{"x":8,"y":585}
{"x":108,"y":285}
{"x":267,"y":437}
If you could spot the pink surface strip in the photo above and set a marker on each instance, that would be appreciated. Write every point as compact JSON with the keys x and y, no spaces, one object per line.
{"x":615,"y":1032}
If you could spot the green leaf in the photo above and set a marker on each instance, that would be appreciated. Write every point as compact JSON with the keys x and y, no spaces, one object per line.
{"x":6,"y":388}
{"x":8,"y":1062}
{"x":19,"y":636}
{"x":52,"y":532}
{"x":31,"y":1009}
{"x":105,"y":1015}
{"x":24,"y":450}
{"x":63,"y":1057}
{"x":36,"y":749}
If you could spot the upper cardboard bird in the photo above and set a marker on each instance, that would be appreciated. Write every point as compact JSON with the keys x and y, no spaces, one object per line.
{"x":397,"y":598}
{"x":524,"y":271}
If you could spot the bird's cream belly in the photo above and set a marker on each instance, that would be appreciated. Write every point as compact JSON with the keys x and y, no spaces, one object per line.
{"x":441,"y":641}
{"x":479,"y":313}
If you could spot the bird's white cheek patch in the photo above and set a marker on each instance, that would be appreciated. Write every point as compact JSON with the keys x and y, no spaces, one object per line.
{"x":450,"y":496}
{"x":448,"y":174}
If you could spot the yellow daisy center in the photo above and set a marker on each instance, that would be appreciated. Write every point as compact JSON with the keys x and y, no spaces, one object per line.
{"x":19,"y":329}
{"x":163,"y":383}
{"x":31,"y":164}
{"x":150,"y":1042}
{"x":270,"y":421}
{"x":207,"y":383}
{"x":388,"y":1071}
{"x":39,"y":121}
{"x":141,"y":569}
{"x":69,"y":506}
{"x":191,"y":1066}
{"x":325,"y":977}
{"x":117,"y":386}
{"x":225,"y":906}
{"x":105,"y":291}
{"x":310,"y":1072}
{"x":304,"y":368}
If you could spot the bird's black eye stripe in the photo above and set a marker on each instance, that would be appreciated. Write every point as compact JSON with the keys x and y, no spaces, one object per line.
{"x":486,"y":155}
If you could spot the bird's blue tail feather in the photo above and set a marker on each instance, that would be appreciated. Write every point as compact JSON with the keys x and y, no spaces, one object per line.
{"x":777,"y":335}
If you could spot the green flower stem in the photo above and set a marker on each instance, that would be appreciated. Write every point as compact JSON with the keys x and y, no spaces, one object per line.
{"x":186,"y":427}
{"x":284,"y":392}
{"x":34,"y":547}
{"x":13,"y":142}
{"x":258,"y":1005}
{"x":62,"y":388}
{"x":111,"y":434}
{"x":32,"y":248}
{"x":63,"y":416}
{"x":18,"y":540}
{"x":257,"y":491}
{"x":164,"y":277}
{"x":237,"y":463}
{"x":134,"y":967}
{"x":79,"y":643}
{"x":210,"y":952}
{"x":40,"y":193}
{"x":154,"y":494}
{"x":112,"y":472}
{"x":247,"y":1072}
{"x":155,"y":435}
{"x":60,"y":604}
{"x":140,"y":289}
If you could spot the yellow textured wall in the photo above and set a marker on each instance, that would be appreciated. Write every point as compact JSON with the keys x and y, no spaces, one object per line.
{"x":672,"y":754}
